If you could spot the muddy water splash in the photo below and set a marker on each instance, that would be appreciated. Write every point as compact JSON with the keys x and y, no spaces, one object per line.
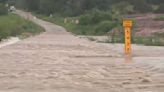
{"x":9,"y":41}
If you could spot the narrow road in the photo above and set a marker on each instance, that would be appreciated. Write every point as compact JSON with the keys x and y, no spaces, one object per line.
{"x":57,"y":61}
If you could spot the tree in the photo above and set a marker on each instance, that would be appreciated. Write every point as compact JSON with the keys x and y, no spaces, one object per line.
{"x":46,"y":6}
{"x":122,"y":8}
{"x":78,"y":7}
{"x":160,"y":9}
{"x":3,"y":1}
{"x":157,"y":2}
{"x":140,"y":6}
{"x":33,"y":4}
{"x":3,"y":9}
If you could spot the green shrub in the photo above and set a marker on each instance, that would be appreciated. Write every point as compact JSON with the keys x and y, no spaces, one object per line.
{"x":160,"y":9}
{"x":95,"y":17}
{"x":141,"y":6}
{"x":122,"y":8}
{"x":3,"y":9}
{"x":3,"y":34}
{"x":85,"y":19}
{"x":104,"y":27}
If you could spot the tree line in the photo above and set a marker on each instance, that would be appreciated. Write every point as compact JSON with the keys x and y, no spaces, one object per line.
{"x":100,"y":16}
{"x":78,"y":7}
{"x":3,"y":8}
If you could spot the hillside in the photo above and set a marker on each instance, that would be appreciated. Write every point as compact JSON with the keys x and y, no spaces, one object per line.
{"x":148,"y":24}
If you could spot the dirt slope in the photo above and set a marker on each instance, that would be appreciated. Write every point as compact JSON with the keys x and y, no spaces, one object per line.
{"x":57,"y":61}
{"x":146,"y":25}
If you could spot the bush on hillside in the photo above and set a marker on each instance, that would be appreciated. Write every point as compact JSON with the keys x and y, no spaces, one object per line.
{"x":160,"y":9}
{"x":85,"y":19}
{"x":3,"y":34}
{"x":122,"y":8}
{"x":95,"y":17}
{"x":104,"y":27}
{"x":141,"y":6}
{"x":3,"y":9}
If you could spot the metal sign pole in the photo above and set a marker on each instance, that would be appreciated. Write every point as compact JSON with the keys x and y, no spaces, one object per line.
{"x":127,"y":23}
{"x":127,"y":40}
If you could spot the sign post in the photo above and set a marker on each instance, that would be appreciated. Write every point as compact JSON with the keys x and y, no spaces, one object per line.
{"x":127,"y":23}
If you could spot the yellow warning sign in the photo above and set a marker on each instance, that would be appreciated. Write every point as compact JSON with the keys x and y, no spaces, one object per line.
{"x":127,"y":25}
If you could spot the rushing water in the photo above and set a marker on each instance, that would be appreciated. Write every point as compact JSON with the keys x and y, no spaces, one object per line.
{"x":9,"y":41}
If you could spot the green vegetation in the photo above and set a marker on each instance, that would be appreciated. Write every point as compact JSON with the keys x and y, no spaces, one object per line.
{"x":104,"y":27}
{"x":3,"y":9}
{"x":13,"y":25}
{"x":70,"y":25}
{"x":96,"y":17}
{"x":79,"y":7}
{"x":88,"y":27}
{"x":92,"y":23}
{"x":160,"y":8}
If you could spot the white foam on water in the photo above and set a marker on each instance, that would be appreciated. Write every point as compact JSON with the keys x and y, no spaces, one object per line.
{"x":9,"y":41}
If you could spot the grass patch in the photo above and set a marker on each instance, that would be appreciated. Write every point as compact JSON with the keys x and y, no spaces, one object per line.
{"x":13,"y":25}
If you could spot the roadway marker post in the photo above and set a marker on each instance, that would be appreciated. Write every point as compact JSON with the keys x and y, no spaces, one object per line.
{"x":127,"y":23}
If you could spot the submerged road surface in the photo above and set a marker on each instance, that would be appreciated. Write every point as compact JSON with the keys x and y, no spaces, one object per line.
{"x":57,"y":61}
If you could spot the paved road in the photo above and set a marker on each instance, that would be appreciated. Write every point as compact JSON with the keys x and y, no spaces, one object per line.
{"x":57,"y":61}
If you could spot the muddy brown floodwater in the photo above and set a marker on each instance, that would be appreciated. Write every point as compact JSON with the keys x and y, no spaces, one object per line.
{"x":57,"y":61}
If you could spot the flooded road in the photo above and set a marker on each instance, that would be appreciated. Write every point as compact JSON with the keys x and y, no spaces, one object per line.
{"x":57,"y":61}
